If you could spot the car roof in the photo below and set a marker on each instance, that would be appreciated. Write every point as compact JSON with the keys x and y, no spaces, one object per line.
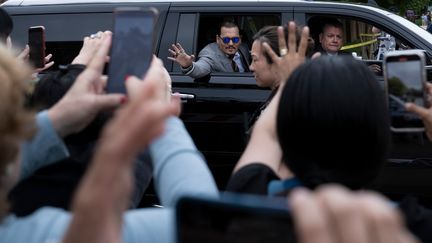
{"x":423,"y":33}
{"x":49,"y":2}
{"x":56,"y":2}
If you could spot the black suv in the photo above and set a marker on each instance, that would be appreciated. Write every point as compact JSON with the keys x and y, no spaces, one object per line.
{"x":217,"y":116}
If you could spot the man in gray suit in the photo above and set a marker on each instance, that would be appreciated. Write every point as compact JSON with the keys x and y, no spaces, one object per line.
{"x":225,"y":55}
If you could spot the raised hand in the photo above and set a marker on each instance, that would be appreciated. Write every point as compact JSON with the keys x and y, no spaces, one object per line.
{"x":86,"y":98}
{"x":180,"y":56}
{"x":290,"y":56}
{"x":89,"y":48}
{"x":424,"y":113}
{"x":24,"y":56}
{"x":97,"y":212}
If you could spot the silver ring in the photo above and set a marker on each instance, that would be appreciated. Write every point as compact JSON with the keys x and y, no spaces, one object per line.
{"x":283,"y":51}
{"x":97,"y":35}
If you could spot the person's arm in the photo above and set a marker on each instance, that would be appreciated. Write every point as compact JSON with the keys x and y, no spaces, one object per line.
{"x":203,"y":66}
{"x":179,"y":55}
{"x":44,"y":148}
{"x":98,"y":212}
{"x":197,"y":69}
{"x":263,"y":146}
{"x":71,"y":114}
{"x":178,"y":167}
{"x":424,"y":113}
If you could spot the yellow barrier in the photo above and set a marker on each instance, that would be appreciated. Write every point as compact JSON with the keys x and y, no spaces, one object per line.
{"x":370,"y":35}
{"x":358,"y":45}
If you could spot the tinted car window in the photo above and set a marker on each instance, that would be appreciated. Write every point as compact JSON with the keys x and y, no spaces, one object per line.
{"x":248,"y":24}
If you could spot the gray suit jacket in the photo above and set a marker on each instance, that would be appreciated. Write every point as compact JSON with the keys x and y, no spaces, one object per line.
{"x":212,"y":59}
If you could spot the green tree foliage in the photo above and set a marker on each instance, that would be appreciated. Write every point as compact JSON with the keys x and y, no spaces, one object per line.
{"x":416,"y":5}
{"x":402,"y":5}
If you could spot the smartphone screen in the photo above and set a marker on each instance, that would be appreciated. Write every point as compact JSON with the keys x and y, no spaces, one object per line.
{"x":132,"y":47}
{"x":405,"y":77}
{"x":36,"y":41}
{"x":231,"y":221}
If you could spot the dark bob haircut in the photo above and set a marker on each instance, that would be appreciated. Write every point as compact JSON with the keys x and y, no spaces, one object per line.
{"x":333,"y":123}
{"x":6,"y":25}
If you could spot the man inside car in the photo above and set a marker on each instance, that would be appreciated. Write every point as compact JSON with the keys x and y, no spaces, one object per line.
{"x":331,"y":41}
{"x":331,"y":38}
{"x":225,"y":55}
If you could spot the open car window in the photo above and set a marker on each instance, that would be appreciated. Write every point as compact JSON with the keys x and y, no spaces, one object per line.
{"x":365,"y":40}
{"x":249,"y":24}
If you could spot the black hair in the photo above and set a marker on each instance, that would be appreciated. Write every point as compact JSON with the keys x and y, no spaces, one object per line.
{"x":228,"y":24}
{"x":333,"y":123}
{"x":269,"y":35}
{"x":6,"y":25}
{"x":52,"y":87}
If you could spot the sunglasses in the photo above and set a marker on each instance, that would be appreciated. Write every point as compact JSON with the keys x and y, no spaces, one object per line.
{"x":227,"y":40}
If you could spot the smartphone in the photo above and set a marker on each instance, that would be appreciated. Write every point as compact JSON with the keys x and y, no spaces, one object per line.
{"x":132,"y":46}
{"x":234,"y":218}
{"x":405,"y":80}
{"x":36,"y":42}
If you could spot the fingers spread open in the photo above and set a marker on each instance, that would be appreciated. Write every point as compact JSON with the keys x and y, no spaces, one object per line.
{"x":274,"y":57}
{"x":175,"y":48}
{"x":281,"y":40}
{"x":48,"y":57}
{"x":304,"y":41}
{"x":292,"y":38}
{"x":180,"y":48}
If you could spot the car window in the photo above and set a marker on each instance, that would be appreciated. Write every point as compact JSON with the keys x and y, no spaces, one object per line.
{"x":362,"y":39}
{"x":249,"y":24}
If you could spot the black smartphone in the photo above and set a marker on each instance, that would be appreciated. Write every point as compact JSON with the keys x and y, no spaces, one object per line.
{"x":405,"y":79}
{"x":36,"y":42}
{"x":132,"y":46}
{"x":234,"y":218}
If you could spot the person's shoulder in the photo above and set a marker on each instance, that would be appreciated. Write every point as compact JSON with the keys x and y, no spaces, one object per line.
{"x":45,"y":223}
{"x":211,"y":47}
{"x":244,"y":50}
{"x":252,"y":178}
{"x":319,"y":49}
{"x":342,"y":52}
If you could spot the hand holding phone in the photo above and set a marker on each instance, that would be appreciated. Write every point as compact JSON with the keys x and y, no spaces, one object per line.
{"x":405,"y":80}
{"x":36,"y":42}
{"x":234,"y":218}
{"x":424,"y":113}
{"x":132,"y":47}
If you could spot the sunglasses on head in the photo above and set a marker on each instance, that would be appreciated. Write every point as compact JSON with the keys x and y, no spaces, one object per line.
{"x":226,"y":40}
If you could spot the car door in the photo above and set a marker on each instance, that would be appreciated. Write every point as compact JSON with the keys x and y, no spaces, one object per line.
{"x":409,"y":168}
{"x":217,"y":116}
{"x":67,"y":24}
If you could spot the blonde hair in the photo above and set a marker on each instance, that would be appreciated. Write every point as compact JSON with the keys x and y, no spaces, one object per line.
{"x":16,"y":123}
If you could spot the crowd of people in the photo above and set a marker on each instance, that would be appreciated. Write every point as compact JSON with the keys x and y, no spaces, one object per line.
{"x":325,"y":96}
